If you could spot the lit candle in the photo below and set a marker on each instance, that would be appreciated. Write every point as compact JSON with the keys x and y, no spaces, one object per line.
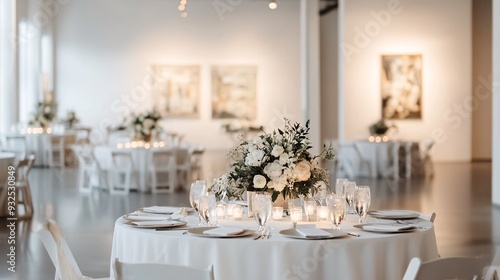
{"x":155,"y":144}
{"x":221,"y":211}
{"x":322,"y":213}
{"x":237,"y":212}
{"x":49,"y":130}
{"x":310,"y":208}
{"x":229,"y":210}
{"x":119,"y":145}
{"x":147,"y":146}
{"x":127,"y":145}
{"x":277,"y":213}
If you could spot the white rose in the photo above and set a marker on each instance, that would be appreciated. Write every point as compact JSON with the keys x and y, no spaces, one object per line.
{"x":277,"y":185}
{"x":284,"y":158}
{"x":302,"y":171}
{"x":254,"y":158}
{"x":273,"y":170}
{"x":277,"y":151}
{"x":148,"y":123}
{"x":259,"y":181}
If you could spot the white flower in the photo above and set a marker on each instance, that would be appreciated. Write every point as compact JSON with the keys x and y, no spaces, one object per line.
{"x":259,"y":181}
{"x":273,"y":170}
{"x":148,"y":123}
{"x":284,"y":158}
{"x":302,"y":171}
{"x":277,"y":151}
{"x":254,"y":157}
{"x":276,"y":185}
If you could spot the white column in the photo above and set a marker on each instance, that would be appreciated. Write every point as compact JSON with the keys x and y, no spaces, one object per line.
{"x":495,"y":194}
{"x":8,"y":66}
{"x":341,"y":69}
{"x":309,"y":69}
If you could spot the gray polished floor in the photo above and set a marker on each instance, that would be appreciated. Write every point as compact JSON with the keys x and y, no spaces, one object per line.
{"x":460,"y":194}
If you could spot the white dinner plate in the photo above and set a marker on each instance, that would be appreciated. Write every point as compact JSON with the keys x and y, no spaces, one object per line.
{"x":146,"y":217}
{"x":293,"y":233}
{"x":394,"y":214}
{"x":156,"y":224}
{"x":199,"y":231}
{"x":386,"y":228}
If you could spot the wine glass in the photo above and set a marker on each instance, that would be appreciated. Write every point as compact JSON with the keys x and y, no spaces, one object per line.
{"x":349,"y":196}
{"x":197,"y":189}
{"x":340,"y":186}
{"x":337,"y":207}
{"x":262,"y":210}
{"x":207,"y":208}
{"x":362,"y":200}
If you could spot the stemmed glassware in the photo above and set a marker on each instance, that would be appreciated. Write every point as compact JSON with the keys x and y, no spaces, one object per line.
{"x":262,"y":207}
{"x":198,"y":188}
{"x":349,"y":196}
{"x":208,"y":209}
{"x":362,"y":201}
{"x":337,"y":207}
{"x":340,"y":186}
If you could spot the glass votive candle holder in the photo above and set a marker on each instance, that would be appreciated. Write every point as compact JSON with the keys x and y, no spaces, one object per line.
{"x":310,"y":207}
{"x":296,"y":214}
{"x":277,"y":213}
{"x":221,"y":211}
{"x":229,"y":210}
{"x":237,"y":212}
{"x":322,"y":213}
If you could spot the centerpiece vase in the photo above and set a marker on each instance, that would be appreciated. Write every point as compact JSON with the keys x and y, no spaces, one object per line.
{"x":250,"y":196}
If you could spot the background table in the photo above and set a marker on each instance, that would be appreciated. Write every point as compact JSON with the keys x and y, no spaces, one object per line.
{"x":371,"y":256}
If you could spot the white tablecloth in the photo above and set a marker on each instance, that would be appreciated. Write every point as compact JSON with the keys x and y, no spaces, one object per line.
{"x":141,"y":158}
{"x":371,"y":256}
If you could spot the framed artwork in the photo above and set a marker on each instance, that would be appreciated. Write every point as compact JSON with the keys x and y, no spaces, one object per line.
{"x":176,"y":90}
{"x":401,"y":86}
{"x":234,"y":92}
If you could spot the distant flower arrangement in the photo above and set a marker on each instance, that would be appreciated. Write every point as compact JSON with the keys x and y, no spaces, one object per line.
{"x":380,"y":127}
{"x":71,"y":119}
{"x":145,"y":126}
{"x":277,"y":162}
{"x":44,"y":115}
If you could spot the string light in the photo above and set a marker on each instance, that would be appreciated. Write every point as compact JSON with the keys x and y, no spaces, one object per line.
{"x":182,"y":8}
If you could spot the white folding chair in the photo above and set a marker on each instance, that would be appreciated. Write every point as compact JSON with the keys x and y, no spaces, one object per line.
{"x":494,"y":268}
{"x":122,"y":172}
{"x":88,"y":168}
{"x":160,"y":271}
{"x":393,"y":156}
{"x":54,"y":150}
{"x":426,"y":148}
{"x":445,"y":268}
{"x":196,"y":154}
{"x":23,"y":190}
{"x":183,"y":163}
{"x":163,"y":171}
{"x":59,"y":252}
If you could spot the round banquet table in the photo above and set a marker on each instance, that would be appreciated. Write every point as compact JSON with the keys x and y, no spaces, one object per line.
{"x":370,"y":256}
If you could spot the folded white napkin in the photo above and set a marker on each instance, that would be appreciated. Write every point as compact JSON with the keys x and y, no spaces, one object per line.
{"x":224,"y":231}
{"x":312,"y":231}
{"x":387,"y":228}
{"x":142,"y":217}
{"x":155,"y":223}
{"x":160,"y":209}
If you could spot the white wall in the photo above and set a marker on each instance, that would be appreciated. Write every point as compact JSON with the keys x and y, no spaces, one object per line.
{"x":441,"y":32}
{"x":481,"y":79}
{"x":496,"y":104}
{"x":103,"y":48}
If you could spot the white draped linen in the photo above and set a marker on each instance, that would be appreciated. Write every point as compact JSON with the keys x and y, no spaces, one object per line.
{"x":371,"y":256}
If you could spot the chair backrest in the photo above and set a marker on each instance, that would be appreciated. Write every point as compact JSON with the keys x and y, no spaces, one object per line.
{"x":493,"y":269}
{"x":23,"y":168}
{"x":59,"y":252}
{"x":157,"y":271}
{"x":427,"y":145}
{"x":123,"y":159}
{"x":16,"y":144}
{"x":163,"y":159}
{"x":445,"y":268}
{"x":182,"y":156}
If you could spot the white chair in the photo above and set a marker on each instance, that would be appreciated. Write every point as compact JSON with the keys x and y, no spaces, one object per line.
{"x":60,"y":253}
{"x":425,"y":155}
{"x":445,"y":268}
{"x":196,"y":154}
{"x":160,"y":271}
{"x":351,"y":161}
{"x":88,"y":168}
{"x":122,"y":172}
{"x":493,"y":269}
{"x":23,"y":190}
{"x":392,"y":170}
{"x":54,"y":150}
{"x":163,"y":171}
{"x":18,"y":145}
{"x":183,"y":166}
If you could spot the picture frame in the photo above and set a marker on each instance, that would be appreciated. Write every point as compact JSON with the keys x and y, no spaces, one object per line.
{"x":401,"y":86}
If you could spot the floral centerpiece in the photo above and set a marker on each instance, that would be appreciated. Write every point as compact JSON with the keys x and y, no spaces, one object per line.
{"x":44,"y":115}
{"x":277,"y":162}
{"x":380,"y":127}
{"x":71,"y":119}
{"x":144,"y":126}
